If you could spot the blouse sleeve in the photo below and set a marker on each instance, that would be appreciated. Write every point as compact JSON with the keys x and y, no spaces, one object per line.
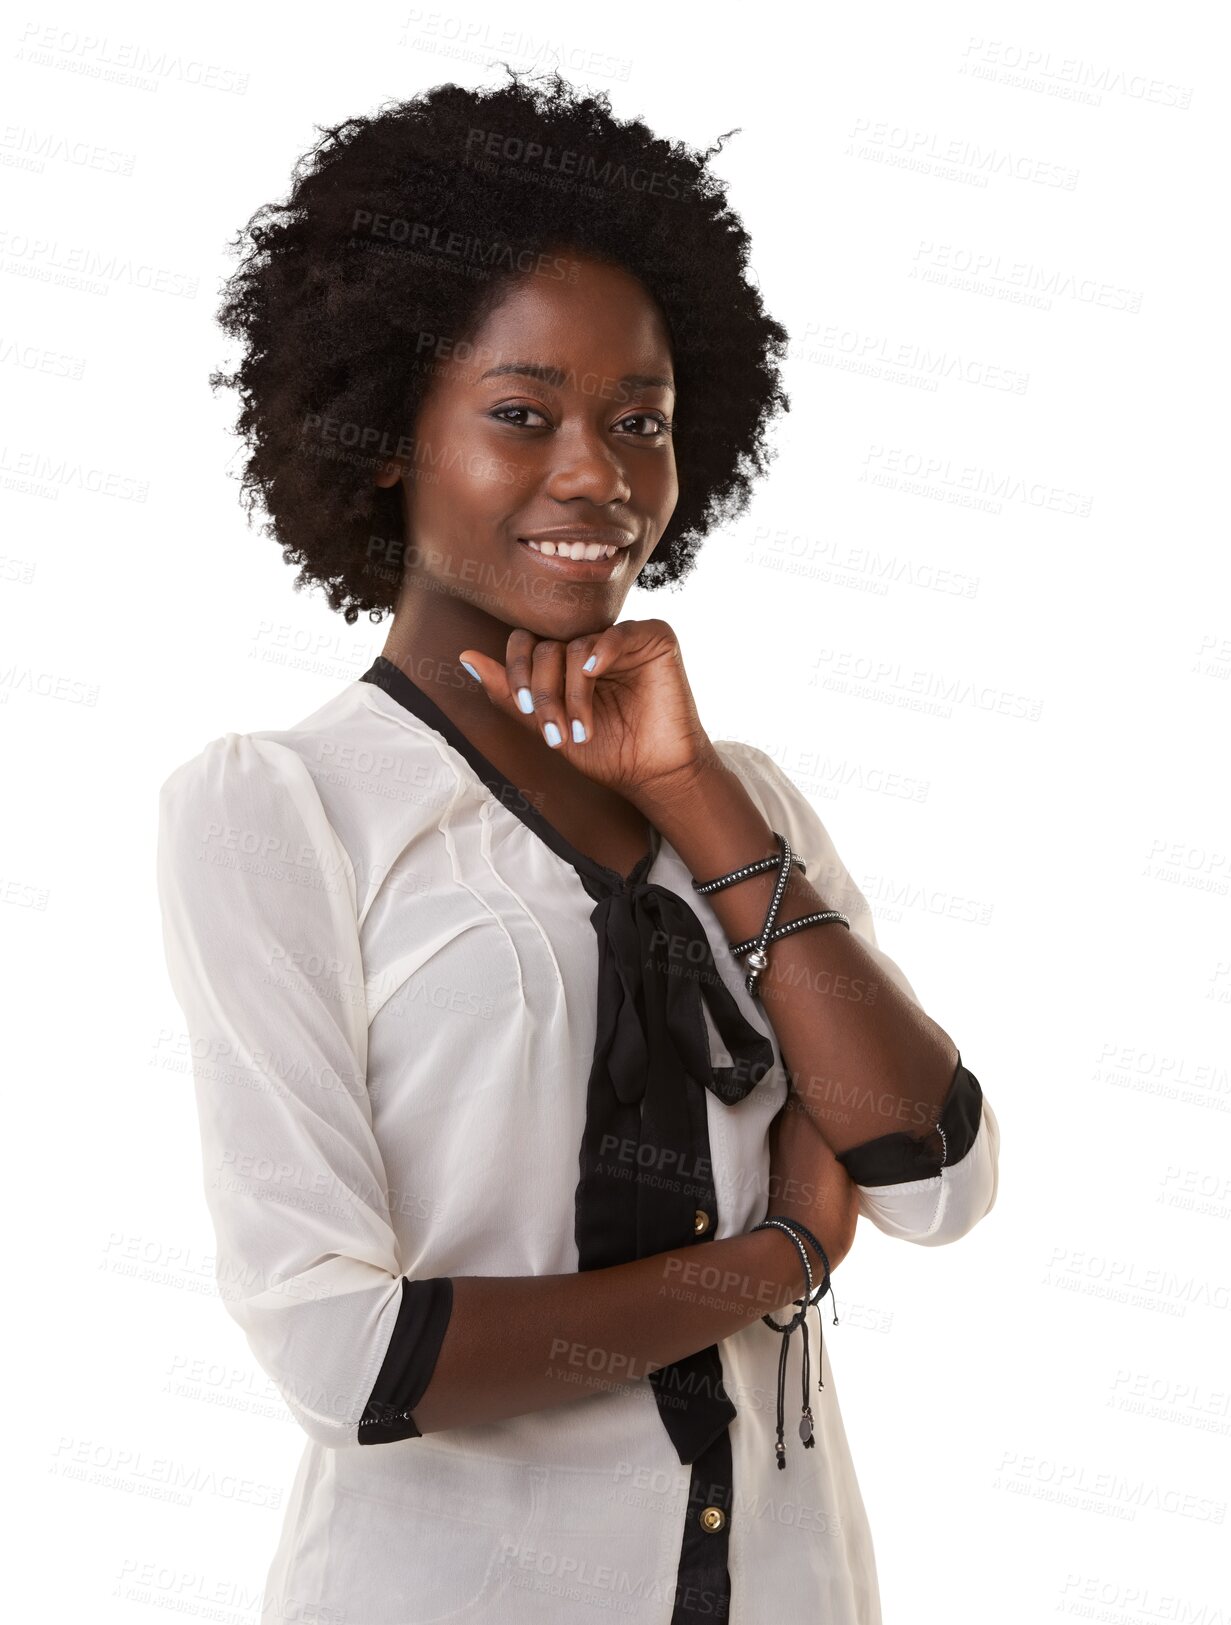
{"x":257,"y":898}
{"x":911,"y":1188}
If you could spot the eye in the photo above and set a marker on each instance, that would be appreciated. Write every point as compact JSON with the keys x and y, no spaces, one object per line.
{"x":657,"y":425}
{"x":526,"y":411}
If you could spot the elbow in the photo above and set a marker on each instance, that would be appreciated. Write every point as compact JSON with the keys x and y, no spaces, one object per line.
{"x":941,"y":1209}
{"x":968,"y":1189}
{"x":954,"y":1221}
{"x":349,"y":1368}
{"x":334,"y":1433}
{"x":325,"y":1417}
{"x":331,"y":1420}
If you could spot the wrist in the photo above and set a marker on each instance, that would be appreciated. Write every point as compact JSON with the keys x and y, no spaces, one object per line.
{"x":679,"y":801}
{"x":791,"y":1276}
{"x":823,"y":1252}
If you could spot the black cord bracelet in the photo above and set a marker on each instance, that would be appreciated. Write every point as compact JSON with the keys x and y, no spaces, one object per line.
{"x":812,"y":1296}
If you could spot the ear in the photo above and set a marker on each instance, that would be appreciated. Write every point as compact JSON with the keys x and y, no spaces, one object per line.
{"x":388,"y":474}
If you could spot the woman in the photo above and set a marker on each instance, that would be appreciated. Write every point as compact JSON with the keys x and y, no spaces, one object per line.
{"x":491,"y":1113}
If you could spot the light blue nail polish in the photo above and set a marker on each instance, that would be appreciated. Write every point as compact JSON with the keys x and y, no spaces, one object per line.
{"x":472,"y":671}
{"x":589,"y":665}
{"x":526,"y":700}
{"x":553,"y":733}
{"x":579,"y":732}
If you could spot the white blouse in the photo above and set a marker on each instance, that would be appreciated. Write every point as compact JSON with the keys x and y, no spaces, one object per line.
{"x":407,"y":998}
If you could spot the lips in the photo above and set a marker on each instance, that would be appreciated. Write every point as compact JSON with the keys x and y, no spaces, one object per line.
{"x":585,"y":553}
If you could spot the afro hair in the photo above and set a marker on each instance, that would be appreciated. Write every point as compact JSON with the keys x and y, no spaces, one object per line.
{"x":397,"y":235}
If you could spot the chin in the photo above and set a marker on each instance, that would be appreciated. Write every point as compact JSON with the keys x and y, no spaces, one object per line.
{"x":565,"y":619}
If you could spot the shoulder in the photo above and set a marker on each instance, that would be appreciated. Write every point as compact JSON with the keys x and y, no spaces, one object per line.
{"x":241,"y":786}
{"x":241,"y":820}
{"x":343,"y":732}
{"x":350,"y":781}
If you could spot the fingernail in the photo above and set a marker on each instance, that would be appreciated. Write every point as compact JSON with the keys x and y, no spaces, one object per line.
{"x":579,"y":732}
{"x":526,"y":700}
{"x":589,"y":665}
{"x":472,"y":671}
{"x":553,"y":733}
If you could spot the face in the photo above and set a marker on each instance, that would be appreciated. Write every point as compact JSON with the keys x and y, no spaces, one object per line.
{"x":545,"y":437}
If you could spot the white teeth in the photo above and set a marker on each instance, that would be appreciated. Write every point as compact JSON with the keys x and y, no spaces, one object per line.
{"x":575,"y":550}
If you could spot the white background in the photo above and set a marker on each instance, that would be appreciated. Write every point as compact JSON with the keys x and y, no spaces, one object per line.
{"x":1026,"y":775}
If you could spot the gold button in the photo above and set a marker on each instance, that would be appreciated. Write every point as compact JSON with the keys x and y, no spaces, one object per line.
{"x":713,"y":1519}
{"x":700,"y":1222}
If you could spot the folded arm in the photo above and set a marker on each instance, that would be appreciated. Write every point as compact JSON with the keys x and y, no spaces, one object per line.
{"x":883,"y":1082}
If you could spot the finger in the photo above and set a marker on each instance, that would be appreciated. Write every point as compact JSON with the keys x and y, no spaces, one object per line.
{"x":579,"y":689}
{"x":602,"y":649}
{"x":518,"y":655}
{"x":492,"y":679}
{"x":547,"y":689}
{"x":627,"y":639}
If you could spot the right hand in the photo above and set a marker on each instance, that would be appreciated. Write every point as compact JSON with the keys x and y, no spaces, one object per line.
{"x":808,"y":1183}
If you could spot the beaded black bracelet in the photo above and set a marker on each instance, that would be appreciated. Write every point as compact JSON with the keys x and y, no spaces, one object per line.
{"x":749,"y":869}
{"x":757,"y":947}
{"x":812,"y":1297}
{"x":784,"y":1225}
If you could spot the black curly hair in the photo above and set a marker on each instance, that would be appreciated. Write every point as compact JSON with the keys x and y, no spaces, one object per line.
{"x":399,"y":231}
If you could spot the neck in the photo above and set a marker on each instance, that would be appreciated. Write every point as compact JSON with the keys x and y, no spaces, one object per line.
{"x":429,"y":629}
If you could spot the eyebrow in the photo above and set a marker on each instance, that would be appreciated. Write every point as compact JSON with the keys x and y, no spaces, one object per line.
{"x":556,"y":375}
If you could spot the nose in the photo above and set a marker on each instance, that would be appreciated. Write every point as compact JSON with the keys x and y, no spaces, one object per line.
{"x":585,"y":466}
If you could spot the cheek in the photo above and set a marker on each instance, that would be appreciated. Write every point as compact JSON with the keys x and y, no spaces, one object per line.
{"x":495,"y":472}
{"x":472,"y":478}
{"x":490,"y":479}
{"x":663,"y":488}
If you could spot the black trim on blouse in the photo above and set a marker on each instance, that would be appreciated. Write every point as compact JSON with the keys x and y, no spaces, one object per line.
{"x":703,"y":1575}
{"x":423,"y":1317}
{"x":895,"y":1159}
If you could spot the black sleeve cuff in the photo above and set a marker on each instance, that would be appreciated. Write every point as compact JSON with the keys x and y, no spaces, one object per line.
{"x":423,"y":1318}
{"x":898,"y":1158}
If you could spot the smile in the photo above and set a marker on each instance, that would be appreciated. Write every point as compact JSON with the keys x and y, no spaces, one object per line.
{"x":575,"y":550}
{"x":578,"y":560}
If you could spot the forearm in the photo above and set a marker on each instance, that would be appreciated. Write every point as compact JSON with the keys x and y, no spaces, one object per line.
{"x":863,"y":1057}
{"x":529,"y":1343}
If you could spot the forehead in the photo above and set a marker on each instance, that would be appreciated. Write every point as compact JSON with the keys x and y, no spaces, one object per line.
{"x":571,"y":315}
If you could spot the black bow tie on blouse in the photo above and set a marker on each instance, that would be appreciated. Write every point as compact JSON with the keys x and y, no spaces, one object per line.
{"x":642,"y":1183}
